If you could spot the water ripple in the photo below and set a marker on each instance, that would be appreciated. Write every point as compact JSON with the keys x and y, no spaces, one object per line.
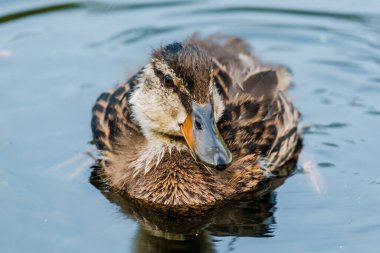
{"x":295,"y":12}
{"x":92,"y":6}
{"x":38,"y":11}
{"x":136,"y":34}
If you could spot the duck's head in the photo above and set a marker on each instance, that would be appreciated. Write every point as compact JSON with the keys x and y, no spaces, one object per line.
{"x":176,"y":102}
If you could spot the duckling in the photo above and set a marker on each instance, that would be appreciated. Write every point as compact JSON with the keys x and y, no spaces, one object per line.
{"x":202,"y":122}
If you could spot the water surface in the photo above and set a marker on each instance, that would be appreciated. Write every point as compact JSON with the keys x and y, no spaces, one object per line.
{"x":56,"y":57}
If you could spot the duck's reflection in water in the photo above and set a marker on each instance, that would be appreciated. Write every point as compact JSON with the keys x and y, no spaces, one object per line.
{"x":146,"y":242}
{"x":250,"y":216}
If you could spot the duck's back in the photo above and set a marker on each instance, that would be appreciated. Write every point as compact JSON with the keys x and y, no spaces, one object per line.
{"x":234,"y":57}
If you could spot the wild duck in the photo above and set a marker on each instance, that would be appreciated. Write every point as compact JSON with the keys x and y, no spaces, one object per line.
{"x":202,"y":122}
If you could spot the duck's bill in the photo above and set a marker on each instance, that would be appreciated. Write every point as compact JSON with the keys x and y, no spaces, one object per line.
{"x":204,"y":139}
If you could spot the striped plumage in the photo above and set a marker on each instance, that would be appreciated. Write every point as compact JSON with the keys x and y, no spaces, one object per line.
{"x":139,"y":126}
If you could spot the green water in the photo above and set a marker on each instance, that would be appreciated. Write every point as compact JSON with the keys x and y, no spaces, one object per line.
{"x":56,"y":57}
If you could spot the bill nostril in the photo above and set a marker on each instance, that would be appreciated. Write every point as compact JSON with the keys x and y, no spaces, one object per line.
{"x":220,"y":162}
{"x":198,"y":124}
{"x":221,"y":167}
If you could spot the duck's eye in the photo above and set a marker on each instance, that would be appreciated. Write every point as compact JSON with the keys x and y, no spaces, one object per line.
{"x":168,"y":80}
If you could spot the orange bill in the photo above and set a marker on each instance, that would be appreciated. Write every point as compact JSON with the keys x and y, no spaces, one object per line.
{"x":187,"y":131}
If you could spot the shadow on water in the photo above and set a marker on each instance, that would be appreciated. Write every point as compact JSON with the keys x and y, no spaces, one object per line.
{"x":251,"y":215}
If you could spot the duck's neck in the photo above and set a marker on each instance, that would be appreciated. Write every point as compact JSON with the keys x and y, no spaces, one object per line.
{"x":152,"y":153}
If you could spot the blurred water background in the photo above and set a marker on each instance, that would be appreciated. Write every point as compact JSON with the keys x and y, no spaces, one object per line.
{"x":56,"y":57}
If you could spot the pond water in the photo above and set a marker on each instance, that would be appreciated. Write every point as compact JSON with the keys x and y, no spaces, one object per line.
{"x":56,"y":57}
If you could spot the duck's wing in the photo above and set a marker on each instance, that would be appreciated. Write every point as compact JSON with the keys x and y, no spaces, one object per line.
{"x":112,"y":117}
{"x":261,"y":127}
